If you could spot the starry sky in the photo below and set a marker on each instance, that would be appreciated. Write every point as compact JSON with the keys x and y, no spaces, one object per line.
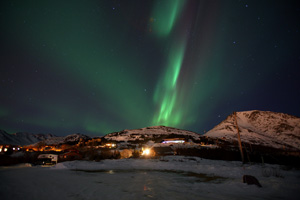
{"x":95,"y":67}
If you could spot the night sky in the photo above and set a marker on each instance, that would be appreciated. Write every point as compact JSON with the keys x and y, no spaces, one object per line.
{"x":95,"y":67}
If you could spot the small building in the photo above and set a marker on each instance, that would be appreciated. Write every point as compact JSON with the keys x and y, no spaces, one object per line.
{"x":110,"y":145}
{"x":173,"y":141}
{"x":47,"y":159}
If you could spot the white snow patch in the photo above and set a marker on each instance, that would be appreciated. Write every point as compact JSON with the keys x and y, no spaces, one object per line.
{"x":171,"y":177}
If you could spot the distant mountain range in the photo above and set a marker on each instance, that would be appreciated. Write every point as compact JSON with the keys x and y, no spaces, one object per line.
{"x":22,"y":138}
{"x":262,"y":128}
{"x":73,"y":138}
{"x":265,"y":128}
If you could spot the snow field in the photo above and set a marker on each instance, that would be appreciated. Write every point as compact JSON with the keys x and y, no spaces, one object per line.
{"x":171,"y":177}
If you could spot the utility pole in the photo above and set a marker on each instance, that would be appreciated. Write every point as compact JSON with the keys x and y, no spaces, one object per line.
{"x":239,"y":137}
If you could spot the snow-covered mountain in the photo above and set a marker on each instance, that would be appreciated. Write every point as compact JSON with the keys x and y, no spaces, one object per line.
{"x":264,"y":128}
{"x":22,"y":138}
{"x":151,"y":133}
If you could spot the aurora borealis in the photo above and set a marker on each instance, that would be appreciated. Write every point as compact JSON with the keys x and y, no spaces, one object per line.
{"x":97,"y":67}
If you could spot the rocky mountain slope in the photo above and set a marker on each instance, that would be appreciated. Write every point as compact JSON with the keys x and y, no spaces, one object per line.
{"x":22,"y":138}
{"x":73,"y":138}
{"x":264,"y":128}
{"x":150,"y":133}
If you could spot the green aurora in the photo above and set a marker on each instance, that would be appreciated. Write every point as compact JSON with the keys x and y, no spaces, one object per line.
{"x":101,"y":66}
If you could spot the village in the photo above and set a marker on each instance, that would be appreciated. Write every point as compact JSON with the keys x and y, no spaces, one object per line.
{"x":98,"y":148}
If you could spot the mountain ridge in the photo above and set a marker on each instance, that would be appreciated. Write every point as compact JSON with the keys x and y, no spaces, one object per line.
{"x":263,"y":128}
{"x":22,"y":138}
{"x":151,"y":132}
{"x":266,"y":128}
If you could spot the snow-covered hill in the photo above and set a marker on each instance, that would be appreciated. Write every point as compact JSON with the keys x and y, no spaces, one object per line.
{"x":149,"y":132}
{"x":22,"y":138}
{"x":265,"y":128}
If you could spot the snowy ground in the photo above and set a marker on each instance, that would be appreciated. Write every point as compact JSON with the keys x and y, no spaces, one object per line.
{"x":173,"y":177}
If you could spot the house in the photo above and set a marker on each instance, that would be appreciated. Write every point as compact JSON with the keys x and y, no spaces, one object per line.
{"x":47,"y":159}
{"x":173,"y":141}
{"x":110,"y":145}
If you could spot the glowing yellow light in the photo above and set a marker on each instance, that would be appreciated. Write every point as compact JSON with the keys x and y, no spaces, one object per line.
{"x":146,"y":152}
